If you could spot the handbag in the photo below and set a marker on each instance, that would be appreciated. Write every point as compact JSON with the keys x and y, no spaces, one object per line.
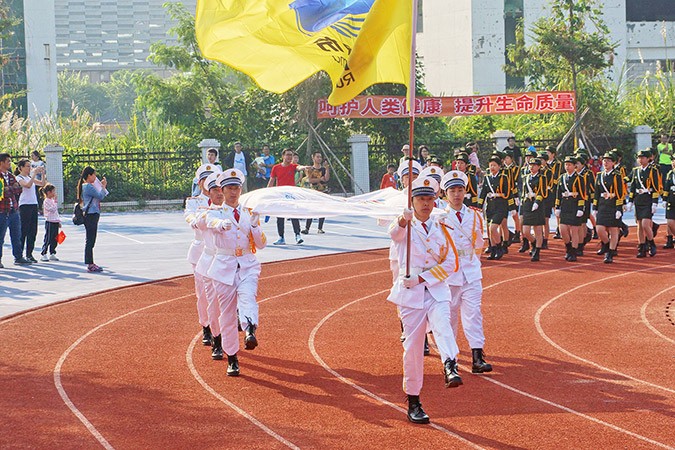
{"x":78,"y":214}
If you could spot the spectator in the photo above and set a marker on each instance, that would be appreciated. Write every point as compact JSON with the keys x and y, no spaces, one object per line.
{"x":471,"y":149}
{"x":35,"y":162}
{"x":389,"y":178}
{"x":239,"y":159}
{"x":422,"y":155}
{"x":300,"y":178}
{"x":211,"y":158}
{"x":52,"y":223}
{"x":9,"y":210}
{"x":405,"y":150}
{"x":263,"y":167}
{"x":318,"y":175}
{"x":529,"y":146}
{"x":517,"y":154}
{"x":665,"y":151}
{"x":283,"y":174}
{"x":90,"y":192}
{"x":28,"y":205}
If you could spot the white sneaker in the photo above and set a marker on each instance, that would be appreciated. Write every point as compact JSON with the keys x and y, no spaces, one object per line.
{"x":53,"y":257}
{"x":44,"y":258}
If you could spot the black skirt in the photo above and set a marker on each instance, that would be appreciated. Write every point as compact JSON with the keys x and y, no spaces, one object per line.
{"x":497,"y":210}
{"x":549,"y":204}
{"x":532,"y":218}
{"x":670,"y":210}
{"x":568,"y":212}
{"x":607,"y":213}
{"x":643,"y":206}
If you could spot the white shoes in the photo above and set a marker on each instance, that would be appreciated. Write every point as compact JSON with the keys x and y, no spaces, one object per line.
{"x":44,"y":258}
{"x":53,"y":258}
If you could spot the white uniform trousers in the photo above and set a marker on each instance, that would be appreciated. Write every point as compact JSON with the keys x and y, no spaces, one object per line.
{"x":240,"y":295}
{"x":467,"y":300}
{"x":437,"y":315}
{"x":202,"y":302}
{"x":212,"y":305}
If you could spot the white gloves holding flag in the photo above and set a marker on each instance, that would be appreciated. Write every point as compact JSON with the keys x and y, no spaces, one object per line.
{"x":580,"y":213}
{"x":226,"y":225}
{"x":535,"y":206}
{"x":255,"y":219}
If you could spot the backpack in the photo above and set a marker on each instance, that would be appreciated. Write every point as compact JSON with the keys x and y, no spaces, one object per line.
{"x":78,"y":214}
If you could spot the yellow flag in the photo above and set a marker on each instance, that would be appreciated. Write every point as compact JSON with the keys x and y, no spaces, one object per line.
{"x":280,"y":43}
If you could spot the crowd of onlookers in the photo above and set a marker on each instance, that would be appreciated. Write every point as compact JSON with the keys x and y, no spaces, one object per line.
{"x":25,"y":193}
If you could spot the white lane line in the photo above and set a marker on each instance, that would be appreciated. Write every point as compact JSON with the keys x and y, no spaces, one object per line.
{"x":301,"y":272}
{"x":542,"y":333}
{"x":121,"y":235}
{"x":643,"y":314}
{"x":57,"y":370}
{"x":315,"y":354}
{"x":235,"y":408}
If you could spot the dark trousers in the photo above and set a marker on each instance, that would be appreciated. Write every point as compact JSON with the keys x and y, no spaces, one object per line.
{"x":664,"y":169}
{"x":91,"y":228}
{"x":51,"y":231}
{"x":309,"y":223}
{"x":281,"y":226}
{"x":29,"y":227}
{"x":11,"y":221}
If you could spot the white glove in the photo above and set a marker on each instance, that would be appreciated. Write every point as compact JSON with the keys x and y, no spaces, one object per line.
{"x":580,"y":213}
{"x":193,"y":224}
{"x":255,"y":219}
{"x":618,"y":215}
{"x":654,"y":208}
{"x":517,"y":202}
{"x":557,"y":213}
{"x":410,"y":282}
{"x":535,"y":206}
{"x":408,"y":214}
{"x":628,"y":207}
{"x":226,"y":225}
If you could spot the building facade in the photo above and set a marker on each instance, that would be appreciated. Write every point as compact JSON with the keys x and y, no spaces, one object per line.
{"x":463,"y":46}
{"x":99,"y":37}
{"x":32,"y":64}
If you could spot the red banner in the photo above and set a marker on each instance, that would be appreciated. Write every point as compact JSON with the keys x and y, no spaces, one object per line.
{"x":383,"y":107}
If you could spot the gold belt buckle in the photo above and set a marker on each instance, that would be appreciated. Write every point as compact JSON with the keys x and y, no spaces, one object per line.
{"x":238,"y":251}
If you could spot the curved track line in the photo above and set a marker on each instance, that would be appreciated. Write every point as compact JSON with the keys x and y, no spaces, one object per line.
{"x":542,"y":333}
{"x":643,"y":314}
{"x":361,"y":389}
{"x":286,"y":274}
{"x":57,"y":370}
{"x":235,"y":408}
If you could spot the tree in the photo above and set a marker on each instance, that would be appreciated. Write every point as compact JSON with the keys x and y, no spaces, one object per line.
{"x":571,"y":50}
{"x":7,"y":25}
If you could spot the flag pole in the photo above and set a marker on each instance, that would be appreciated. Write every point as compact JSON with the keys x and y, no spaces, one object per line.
{"x":411,"y":108}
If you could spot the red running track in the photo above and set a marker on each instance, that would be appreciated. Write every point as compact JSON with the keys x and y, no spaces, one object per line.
{"x":583,"y":356}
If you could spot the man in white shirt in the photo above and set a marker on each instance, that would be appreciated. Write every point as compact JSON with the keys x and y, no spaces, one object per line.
{"x":240,"y":160}
{"x":466,"y":229}
{"x":423,"y":298}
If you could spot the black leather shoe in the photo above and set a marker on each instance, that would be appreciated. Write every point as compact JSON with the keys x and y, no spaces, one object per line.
{"x":427,"y":352}
{"x":250,"y":341}
{"x":488,"y":250}
{"x":516,"y":238}
{"x":669,"y":242}
{"x":232,"y":366}
{"x":452,"y":378}
{"x":573,"y":254}
{"x":525,"y":246}
{"x":580,"y":249}
{"x":624,"y":229}
{"x":217,"y":352}
{"x":207,"y":337}
{"x":535,"y":255}
{"x":609,"y":257}
{"x":415,"y":412}
{"x":642,"y":252}
{"x":544,"y":244}
{"x":651,"y":247}
{"x":21,"y":261}
{"x":604,"y":248}
{"x":479,"y":365}
{"x":557,"y":234}
{"x":568,"y":251}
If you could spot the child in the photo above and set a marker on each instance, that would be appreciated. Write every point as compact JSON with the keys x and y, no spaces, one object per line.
{"x":389,"y":179}
{"x":52,"y":222}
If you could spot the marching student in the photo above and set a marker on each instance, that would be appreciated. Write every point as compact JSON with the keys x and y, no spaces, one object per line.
{"x":555,"y":167}
{"x":193,"y":207}
{"x":588,"y":182}
{"x":669,"y":198}
{"x":513,"y":171}
{"x":608,"y":207}
{"x":496,"y":193}
{"x":569,"y":207}
{"x":216,"y":198}
{"x":535,"y":193}
{"x":645,"y":189}
{"x":423,"y":299}
{"x":465,"y":226}
{"x":235,"y":270}
{"x":462,"y":164}
{"x":405,"y":178}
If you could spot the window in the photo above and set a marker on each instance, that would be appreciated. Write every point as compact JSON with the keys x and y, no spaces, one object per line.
{"x":650,"y":10}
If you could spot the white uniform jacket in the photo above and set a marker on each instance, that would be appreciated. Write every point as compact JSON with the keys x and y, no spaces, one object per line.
{"x":432,"y":256}
{"x":468,"y":237}
{"x":194,"y":206}
{"x":209,"y":251}
{"x":235,"y":248}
